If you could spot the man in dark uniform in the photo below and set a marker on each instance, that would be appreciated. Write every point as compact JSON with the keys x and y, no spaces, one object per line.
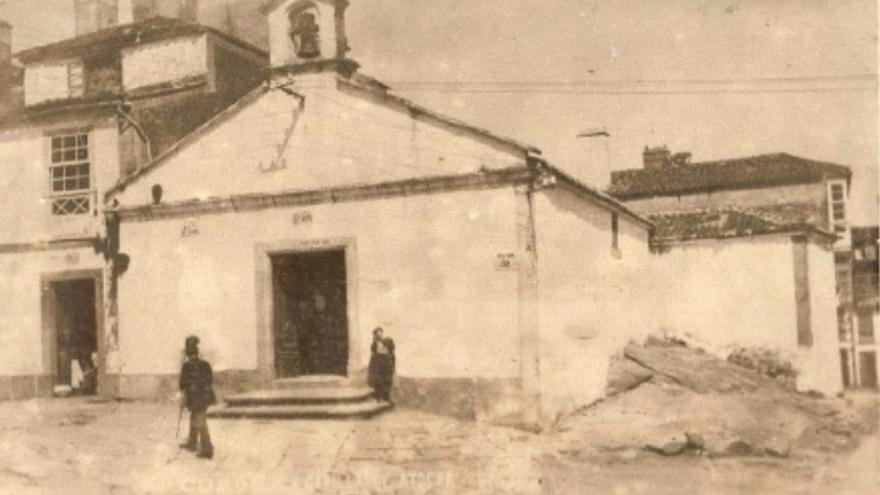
{"x":197,"y":394}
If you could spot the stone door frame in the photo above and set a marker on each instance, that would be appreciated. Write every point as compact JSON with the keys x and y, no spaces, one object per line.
{"x":265,"y":300}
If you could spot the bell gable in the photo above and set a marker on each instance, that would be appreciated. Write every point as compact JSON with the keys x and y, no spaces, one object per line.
{"x":304,"y":31}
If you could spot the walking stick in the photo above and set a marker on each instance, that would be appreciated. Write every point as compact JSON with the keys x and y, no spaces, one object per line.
{"x":176,"y":436}
{"x":179,"y":419}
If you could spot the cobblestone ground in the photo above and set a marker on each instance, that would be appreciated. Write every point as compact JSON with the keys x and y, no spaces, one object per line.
{"x":78,"y":446}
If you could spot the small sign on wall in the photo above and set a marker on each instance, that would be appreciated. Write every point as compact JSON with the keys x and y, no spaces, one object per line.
{"x":505,"y":262}
{"x":190,"y":227}
{"x":302,"y":217}
{"x":312,"y":243}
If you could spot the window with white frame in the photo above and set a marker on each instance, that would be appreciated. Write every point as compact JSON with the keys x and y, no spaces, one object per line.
{"x":70,"y":174}
{"x":75,"y":84}
{"x":837,"y":207}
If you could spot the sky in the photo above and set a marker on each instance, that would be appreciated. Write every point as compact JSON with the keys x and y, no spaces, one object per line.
{"x":718,"y":78}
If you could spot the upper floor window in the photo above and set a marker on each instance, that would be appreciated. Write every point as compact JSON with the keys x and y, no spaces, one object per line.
{"x":70,"y":174}
{"x":844,"y":283}
{"x":837,"y":207}
{"x":75,"y":84}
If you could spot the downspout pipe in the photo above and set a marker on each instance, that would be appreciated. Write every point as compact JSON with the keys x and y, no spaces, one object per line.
{"x":137,"y":127}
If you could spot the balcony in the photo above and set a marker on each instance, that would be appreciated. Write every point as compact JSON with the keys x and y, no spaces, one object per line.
{"x":73,"y":215}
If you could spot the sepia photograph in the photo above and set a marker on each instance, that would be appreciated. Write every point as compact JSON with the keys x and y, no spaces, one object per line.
{"x":430,"y":247}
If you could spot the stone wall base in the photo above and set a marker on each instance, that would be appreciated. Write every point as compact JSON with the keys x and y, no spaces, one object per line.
{"x":25,"y":387}
{"x":165,"y":386}
{"x":495,"y":400}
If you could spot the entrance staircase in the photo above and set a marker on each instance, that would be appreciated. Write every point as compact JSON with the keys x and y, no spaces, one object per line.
{"x":307,"y":397}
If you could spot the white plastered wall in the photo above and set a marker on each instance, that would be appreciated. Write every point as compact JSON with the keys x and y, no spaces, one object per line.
{"x":46,"y":82}
{"x":337,"y":139}
{"x":425,"y":270}
{"x":734,"y":292}
{"x":591,"y":298}
{"x":819,"y":364}
{"x":24,"y":154}
{"x":164,"y":62}
{"x":741,"y":293}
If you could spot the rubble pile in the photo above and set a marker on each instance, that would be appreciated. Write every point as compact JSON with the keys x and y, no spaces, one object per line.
{"x":665,"y":398}
{"x":767,"y":362}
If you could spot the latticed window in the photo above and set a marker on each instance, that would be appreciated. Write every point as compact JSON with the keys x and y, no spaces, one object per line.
{"x":70,"y":174}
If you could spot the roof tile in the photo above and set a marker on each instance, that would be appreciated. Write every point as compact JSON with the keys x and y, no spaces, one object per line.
{"x":722,"y":224}
{"x":118,"y":37}
{"x":741,"y":173}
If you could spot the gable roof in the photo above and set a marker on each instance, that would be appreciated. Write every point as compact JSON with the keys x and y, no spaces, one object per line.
{"x":723,"y":224}
{"x":117,"y":37}
{"x":594,"y":194}
{"x":216,"y":114}
{"x":357,"y":82}
{"x":379,"y":91}
{"x":740,"y":173}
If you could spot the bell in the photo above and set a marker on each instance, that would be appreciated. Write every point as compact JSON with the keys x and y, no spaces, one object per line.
{"x":305,"y":36}
{"x":309,"y":46}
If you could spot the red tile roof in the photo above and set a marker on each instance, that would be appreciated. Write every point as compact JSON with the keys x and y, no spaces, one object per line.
{"x":741,"y":173}
{"x":722,"y":224}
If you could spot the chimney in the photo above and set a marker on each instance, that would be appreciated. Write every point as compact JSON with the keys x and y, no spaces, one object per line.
{"x":5,"y":42}
{"x":185,"y":10}
{"x":95,"y":15}
{"x":656,"y":158}
{"x":188,"y":10}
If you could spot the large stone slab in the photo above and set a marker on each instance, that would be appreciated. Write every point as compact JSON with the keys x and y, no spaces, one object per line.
{"x":696,"y":370}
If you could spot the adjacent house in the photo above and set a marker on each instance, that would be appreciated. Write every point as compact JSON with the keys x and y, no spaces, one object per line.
{"x":750,"y":248}
{"x":87,"y":112}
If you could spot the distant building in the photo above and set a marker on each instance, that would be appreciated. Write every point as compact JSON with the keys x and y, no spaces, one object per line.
{"x":751,"y":244}
{"x":779,"y":187}
{"x":859,"y":349}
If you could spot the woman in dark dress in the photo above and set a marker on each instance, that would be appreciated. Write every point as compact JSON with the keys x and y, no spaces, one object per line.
{"x":382,"y":361}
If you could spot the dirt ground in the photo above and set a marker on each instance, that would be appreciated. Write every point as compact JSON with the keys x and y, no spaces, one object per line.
{"x":675,"y":421}
{"x":77,"y":446}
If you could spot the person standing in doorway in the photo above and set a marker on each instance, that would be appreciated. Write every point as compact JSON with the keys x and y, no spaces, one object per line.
{"x":382,"y":363}
{"x":197,"y":394}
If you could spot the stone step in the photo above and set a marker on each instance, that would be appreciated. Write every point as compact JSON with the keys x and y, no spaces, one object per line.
{"x":360,"y":410}
{"x":300,"y":396}
{"x":315,"y":381}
